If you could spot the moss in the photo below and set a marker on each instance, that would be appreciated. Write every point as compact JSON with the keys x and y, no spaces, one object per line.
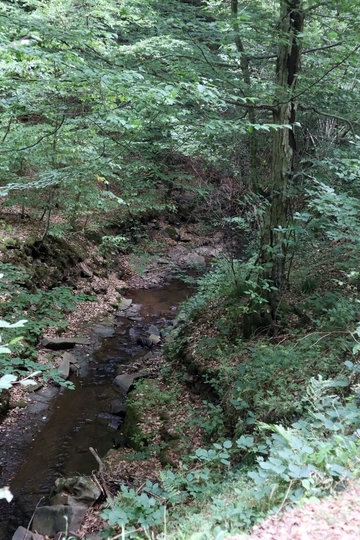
{"x":131,"y":427}
{"x":48,"y":262}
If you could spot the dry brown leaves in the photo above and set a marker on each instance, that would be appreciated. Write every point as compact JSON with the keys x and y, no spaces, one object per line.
{"x":331,"y":519}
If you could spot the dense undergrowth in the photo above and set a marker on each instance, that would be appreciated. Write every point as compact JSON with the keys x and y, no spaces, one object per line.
{"x":280,"y":423}
{"x":39,"y":309}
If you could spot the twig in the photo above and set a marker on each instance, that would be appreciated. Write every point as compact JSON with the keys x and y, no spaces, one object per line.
{"x":101,"y":472}
{"x":123,"y":533}
{"x":285,"y":497}
{"x":32,"y":517}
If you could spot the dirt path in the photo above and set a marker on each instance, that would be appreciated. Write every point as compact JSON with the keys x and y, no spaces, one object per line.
{"x":331,"y":519}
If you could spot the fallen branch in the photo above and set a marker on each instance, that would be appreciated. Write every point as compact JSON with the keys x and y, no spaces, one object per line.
{"x":101,"y":473}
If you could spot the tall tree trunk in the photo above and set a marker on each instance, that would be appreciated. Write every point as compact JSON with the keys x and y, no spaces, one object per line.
{"x":273,"y":249}
{"x":273,"y":240}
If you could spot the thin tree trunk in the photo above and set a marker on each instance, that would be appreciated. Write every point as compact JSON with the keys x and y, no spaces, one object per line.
{"x":251,"y":111}
{"x":49,"y":210}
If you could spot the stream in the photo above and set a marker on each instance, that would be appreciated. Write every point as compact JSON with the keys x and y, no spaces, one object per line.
{"x":77,"y":419}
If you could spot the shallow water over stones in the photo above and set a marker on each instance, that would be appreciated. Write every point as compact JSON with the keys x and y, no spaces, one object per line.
{"x":54,"y":439}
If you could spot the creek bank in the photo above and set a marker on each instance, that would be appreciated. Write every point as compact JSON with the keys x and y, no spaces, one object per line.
{"x":92,"y":276}
{"x":111,"y":414}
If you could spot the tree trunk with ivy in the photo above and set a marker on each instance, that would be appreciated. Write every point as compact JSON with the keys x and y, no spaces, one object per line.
{"x":273,"y":250}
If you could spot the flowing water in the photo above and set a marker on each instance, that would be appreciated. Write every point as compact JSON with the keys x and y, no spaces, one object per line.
{"x":78,"y":419}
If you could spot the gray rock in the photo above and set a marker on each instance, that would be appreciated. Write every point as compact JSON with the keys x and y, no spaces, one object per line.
{"x":150,"y":355}
{"x":124,"y":382}
{"x":134,"y":308}
{"x":24,"y":534}
{"x":49,"y":520}
{"x":103,"y":330}
{"x":64,"y":368}
{"x":118,"y":407}
{"x":59,"y":498}
{"x":195,"y":260}
{"x":144,"y":342}
{"x":154,"y":339}
{"x":208,"y":252}
{"x":110,"y":420}
{"x":121,"y":368}
{"x":187,"y":377}
{"x":63,"y":343}
{"x":154,"y":330}
{"x":70,"y":357}
{"x":133,"y":333}
{"x":171,"y":232}
{"x":82,"y":488}
{"x":125,"y":304}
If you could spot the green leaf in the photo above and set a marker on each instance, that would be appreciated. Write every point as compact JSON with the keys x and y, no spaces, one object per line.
{"x":6,"y":381}
{"x":4,"y":324}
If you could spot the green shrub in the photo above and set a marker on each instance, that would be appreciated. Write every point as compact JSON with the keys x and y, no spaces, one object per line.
{"x":270,"y":385}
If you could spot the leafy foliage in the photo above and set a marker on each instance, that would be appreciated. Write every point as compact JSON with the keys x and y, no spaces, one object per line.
{"x":43,"y":309}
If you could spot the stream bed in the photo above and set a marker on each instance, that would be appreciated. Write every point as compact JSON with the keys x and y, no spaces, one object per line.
{"x":66,"y":423}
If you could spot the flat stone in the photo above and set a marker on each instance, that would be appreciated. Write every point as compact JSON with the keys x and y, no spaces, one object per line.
{"x":110,"y":420}
{"x":33,"y":387}
{"x":103,"y":330}
{"x":71,"y":358}
{"x":134,"y":308}
{"x":154,"y":330}
{"x":24,"y":534}
{"x":49,"y":520}
{"x":125,"y":304}
{"x":154,"y":339}
{"x":63,"y":343}
{"x":171,"y":232}
{"x":124,"y":382}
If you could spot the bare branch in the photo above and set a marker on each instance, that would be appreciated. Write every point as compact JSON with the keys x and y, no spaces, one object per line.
{"x":305,"y":51}
{"x":315,"y":6}
{"x":259,"y":107}
{"x":330,"y":115}
{"x":334,"y":66}
{"x":41,"y":138}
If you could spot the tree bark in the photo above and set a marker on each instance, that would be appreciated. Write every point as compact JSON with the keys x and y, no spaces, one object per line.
{"x":273,"y":246}
{"x":274,"y":235}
